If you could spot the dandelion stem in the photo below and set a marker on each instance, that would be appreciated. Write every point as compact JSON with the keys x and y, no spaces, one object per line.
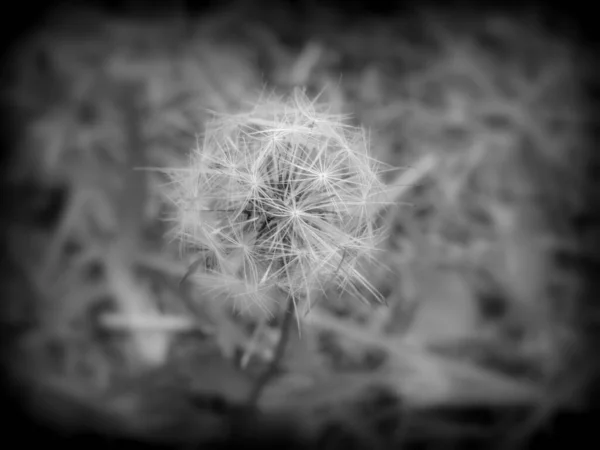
{"x":271,"y":370}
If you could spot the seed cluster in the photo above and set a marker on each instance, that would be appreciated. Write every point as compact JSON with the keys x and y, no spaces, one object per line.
{"x":284,"y":197}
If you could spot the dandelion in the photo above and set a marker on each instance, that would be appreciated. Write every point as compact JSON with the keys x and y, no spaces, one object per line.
{"x":281,"y":201}
{"x":284,"y":198}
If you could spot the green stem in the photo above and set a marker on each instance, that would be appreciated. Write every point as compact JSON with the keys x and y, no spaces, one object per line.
{"x":271,"y":370}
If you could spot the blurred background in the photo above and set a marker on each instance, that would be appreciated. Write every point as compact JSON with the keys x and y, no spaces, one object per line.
{"x":487,"y":334}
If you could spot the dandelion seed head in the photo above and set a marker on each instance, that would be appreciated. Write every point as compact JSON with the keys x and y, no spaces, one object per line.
{"x":284,"y":197}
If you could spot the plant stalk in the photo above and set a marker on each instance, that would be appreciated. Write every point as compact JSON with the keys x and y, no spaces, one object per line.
{"x":271,"y":370}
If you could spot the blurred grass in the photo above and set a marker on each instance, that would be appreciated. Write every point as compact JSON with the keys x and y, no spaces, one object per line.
{"x":486,"y":119}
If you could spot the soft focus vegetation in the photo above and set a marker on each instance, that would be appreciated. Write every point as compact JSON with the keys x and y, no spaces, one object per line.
{"x":485,"y":116}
